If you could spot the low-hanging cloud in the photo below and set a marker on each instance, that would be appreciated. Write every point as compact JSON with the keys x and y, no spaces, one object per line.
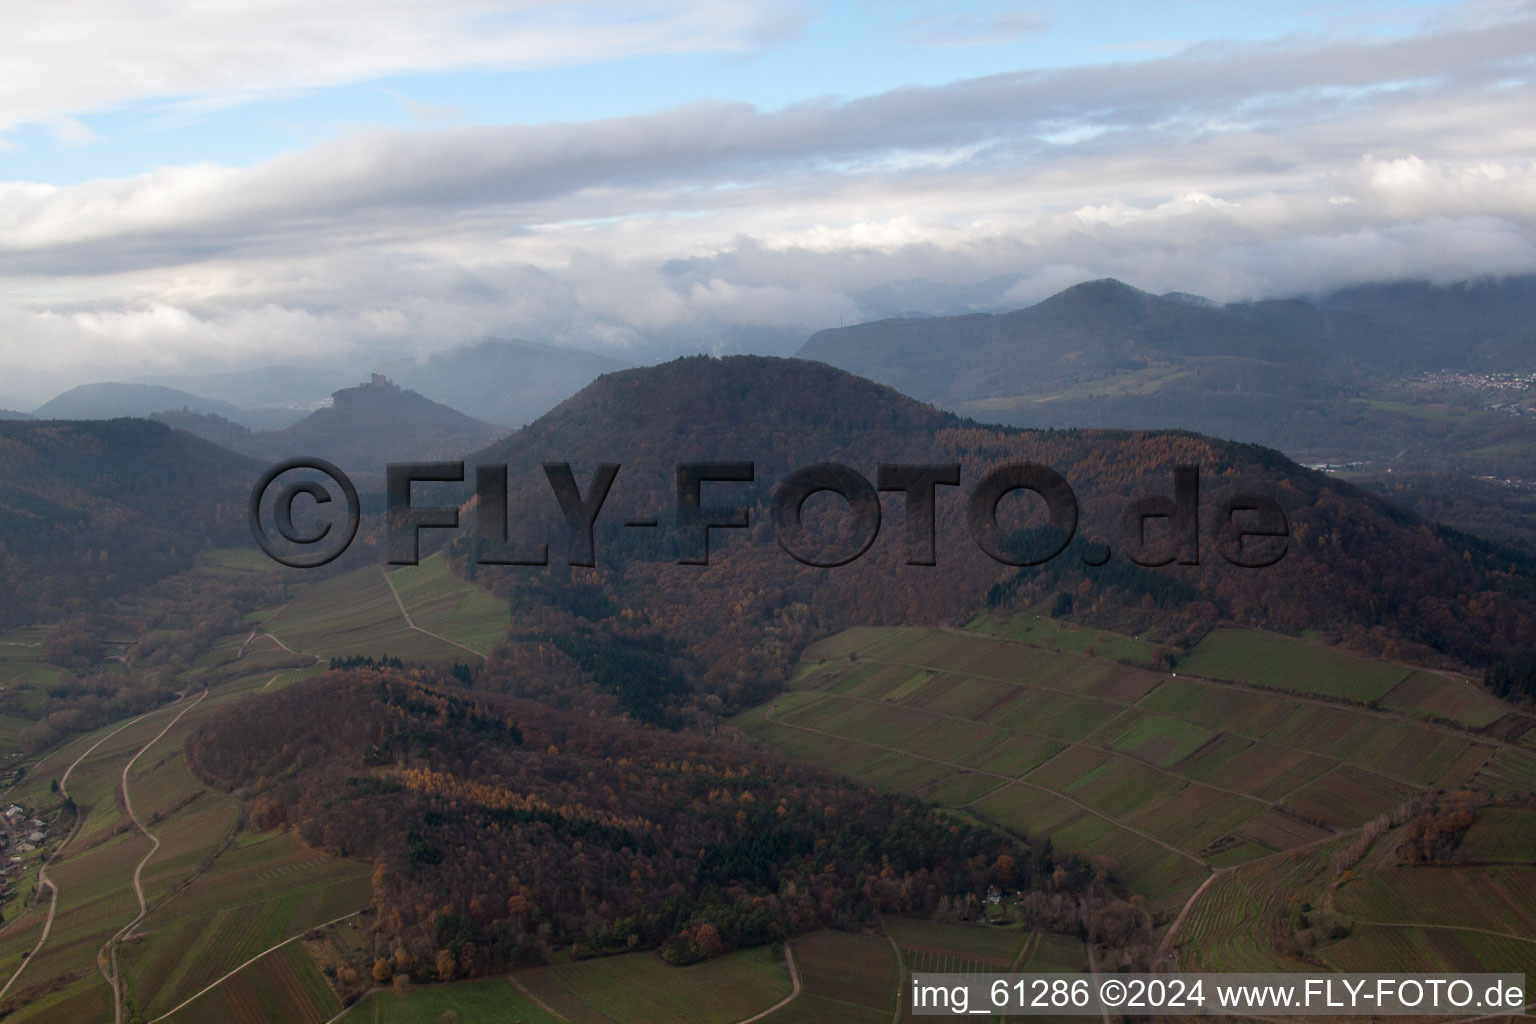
{"x":1230,"y":171}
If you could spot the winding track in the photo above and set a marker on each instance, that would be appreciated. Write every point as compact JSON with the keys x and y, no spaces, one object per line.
{"x":42,"y":873}
{"x":794,"y":988}
{"x":108,"y":952}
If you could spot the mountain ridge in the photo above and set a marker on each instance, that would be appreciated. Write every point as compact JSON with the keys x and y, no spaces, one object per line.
{"x":784,"y":414}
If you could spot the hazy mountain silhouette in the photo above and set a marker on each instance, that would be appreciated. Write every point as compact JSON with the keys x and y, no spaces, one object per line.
{"x":300,"y":388}
{"x":509,"y":383}
{"x":115,"y":399}
{"x":1323,"y":379}
{"x":1086,"y":333}
{"x":1483,"y":324}
{"x":371,"y":425}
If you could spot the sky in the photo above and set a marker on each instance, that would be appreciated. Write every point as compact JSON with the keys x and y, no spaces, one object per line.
{"x":199,"y":187}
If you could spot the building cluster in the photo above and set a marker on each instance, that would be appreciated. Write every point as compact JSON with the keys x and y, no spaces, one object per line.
{"x":1504,"y":391}
{"x":20,"y":836}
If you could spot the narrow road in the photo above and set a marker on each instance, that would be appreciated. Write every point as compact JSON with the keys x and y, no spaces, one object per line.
{"x":255,"y":635}
{"x":110,"y":946}
{"x":270,"y":949}
{"x":1166,"y":945}
{"x":42,"y":873}
{"x":412,"y":622}
{"x":901,"y":968}
{"x":794,"y":988}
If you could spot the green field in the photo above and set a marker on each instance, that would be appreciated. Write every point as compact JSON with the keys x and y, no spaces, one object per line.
{"x":355,"y":613}
{"x":1059,"y":635}
{"x":463,"y":1002}
{"x":24,"y":679}
{"x":639,"y":988}
{"x":843,"y":977}
{"x":1284,"y":663}
{"x":1170,"y":777}
{"x":1502,"y":834}
{"x":268,"y":887}
{"x":447,"y":605}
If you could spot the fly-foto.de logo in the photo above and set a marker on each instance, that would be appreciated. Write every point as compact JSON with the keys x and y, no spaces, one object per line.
{"x":1250,"y":530}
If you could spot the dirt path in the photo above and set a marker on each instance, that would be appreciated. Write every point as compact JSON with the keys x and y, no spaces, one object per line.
{"x":535,"y":1000}
{"x":270,"y":949}
{"x":110,"y":947}
{"x":1443,"y":927}
{"x":1164,"y":947}
{"x":412,"y":622}
{"x":256,"y":636}
{"x":901,"y":968}
{"x":794,"y":989}
{"x":42,"y":872}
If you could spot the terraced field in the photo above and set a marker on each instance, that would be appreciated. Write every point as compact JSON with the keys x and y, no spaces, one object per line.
{"x":24,"y":679}
{"x":1171,"y":776}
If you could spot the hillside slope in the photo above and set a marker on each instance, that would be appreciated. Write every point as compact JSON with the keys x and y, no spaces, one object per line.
{"x":1393,"y":377}
{"x":1356,"y":568}
{"x":371,"y":425}
{"x":97,"y":508}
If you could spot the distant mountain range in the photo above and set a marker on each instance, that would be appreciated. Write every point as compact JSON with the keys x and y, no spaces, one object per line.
{"x":291,"y":387}
{"x":363,"y":429}
{"x":113,"y":400}
{"x":1324,"y":379}
{"x":508,"y":383}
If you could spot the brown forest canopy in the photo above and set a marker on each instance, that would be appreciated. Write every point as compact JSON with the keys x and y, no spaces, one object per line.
{"x":502,"y":828}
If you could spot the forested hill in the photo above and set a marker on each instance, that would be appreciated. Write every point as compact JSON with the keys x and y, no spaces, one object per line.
{"x":97,"y":508}
{"x":1357,"y":567}
{"x":369,"y":426}
{"x":500,"y":829}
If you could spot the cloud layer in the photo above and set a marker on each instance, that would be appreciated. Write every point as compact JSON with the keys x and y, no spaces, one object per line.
{"x":1233,"y":171}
